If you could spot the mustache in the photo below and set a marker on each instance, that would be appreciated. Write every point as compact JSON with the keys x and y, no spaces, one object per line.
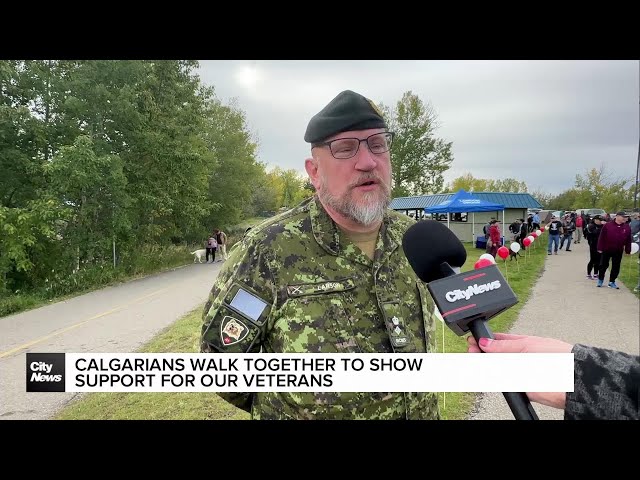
{"x":369,"y":177}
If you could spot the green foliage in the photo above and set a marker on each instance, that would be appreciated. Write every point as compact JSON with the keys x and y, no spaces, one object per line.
{"x":469,"y":183}
{"x":132,"y":152}
{"x":23,"y":233}
{"x":419,"y":159}
{"x":233,"y":157}
{"x":595,"y":189}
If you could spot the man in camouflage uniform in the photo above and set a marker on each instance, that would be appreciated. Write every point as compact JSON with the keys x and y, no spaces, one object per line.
{"x":607,"y":382}
{"x":328,"y":276}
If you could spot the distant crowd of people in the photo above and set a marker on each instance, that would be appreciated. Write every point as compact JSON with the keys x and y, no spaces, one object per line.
{"x":608,"y":238}
{"x":519,"y":230}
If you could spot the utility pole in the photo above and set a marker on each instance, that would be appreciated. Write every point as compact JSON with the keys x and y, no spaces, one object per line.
{"x":635,"y":197}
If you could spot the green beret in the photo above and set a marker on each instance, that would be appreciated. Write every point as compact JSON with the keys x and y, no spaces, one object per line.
{"x":348,"y":111}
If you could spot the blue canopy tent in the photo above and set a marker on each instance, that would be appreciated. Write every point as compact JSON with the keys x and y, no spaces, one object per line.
{"x":465,"y":202}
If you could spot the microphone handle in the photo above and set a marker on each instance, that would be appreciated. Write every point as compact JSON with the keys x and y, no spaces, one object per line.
{"x":518,"y":402}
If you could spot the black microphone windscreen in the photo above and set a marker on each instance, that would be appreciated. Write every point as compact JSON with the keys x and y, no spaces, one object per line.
{"x":429,"y":243}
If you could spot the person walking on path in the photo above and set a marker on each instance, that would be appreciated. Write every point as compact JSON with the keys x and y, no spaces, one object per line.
{"x":579,"y":226}
{"x":615,"y":239}
{"x":555,"y":227}
{"x":593,"y":234}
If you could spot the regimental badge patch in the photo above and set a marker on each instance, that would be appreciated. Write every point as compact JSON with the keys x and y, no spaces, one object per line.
{"x":232,"y":330}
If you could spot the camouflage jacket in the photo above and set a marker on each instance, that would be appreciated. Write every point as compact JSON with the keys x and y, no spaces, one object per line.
{"x":323,"y":295}
{"x":607,"y":385}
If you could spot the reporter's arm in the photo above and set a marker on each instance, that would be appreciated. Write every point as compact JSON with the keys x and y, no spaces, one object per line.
{"x":606,"y":387}
{"x":509,"y":343}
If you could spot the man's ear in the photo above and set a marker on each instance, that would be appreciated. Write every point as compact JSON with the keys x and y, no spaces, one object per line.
{"x":311,"y":166}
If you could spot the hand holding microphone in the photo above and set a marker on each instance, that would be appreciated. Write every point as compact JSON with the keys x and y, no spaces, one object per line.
{"x":466,"y":301}
{"x":507,"y":343}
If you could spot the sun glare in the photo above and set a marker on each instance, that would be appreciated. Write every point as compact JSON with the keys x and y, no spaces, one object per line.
{"x":248,"y":76}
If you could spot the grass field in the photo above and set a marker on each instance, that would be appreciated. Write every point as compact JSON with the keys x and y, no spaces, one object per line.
{"x":630,"y":272}
{"x":183,"y":336}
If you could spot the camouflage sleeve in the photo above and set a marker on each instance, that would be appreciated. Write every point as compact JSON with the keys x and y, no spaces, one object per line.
{"x":228,"y":327}
{"x":606,"y":385}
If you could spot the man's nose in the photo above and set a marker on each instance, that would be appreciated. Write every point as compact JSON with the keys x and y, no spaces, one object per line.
{"x":366,"y":160}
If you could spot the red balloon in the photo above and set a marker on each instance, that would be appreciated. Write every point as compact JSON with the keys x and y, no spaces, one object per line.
{"x":483,"y":262}
{"x":534,"y":234}
{"x":526,"y":242}
{"x":503,"y":252}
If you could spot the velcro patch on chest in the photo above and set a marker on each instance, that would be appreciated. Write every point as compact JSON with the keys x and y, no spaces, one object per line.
{"x":232,"y":330}
{"x":315,"y":288}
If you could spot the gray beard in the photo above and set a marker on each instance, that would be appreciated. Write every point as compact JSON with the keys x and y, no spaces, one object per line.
{"x":371,"y":212}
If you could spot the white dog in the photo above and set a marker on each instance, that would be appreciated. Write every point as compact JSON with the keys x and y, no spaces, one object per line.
{"x":198,"y":254}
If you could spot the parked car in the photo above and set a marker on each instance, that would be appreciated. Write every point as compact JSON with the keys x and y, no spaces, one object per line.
{"x":591,"y":211}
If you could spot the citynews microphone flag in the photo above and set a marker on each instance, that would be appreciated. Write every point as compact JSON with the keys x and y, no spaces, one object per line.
{"x":299,"y":372}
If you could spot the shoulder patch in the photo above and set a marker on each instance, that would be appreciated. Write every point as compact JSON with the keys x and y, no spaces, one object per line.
{"x":232,"y":330}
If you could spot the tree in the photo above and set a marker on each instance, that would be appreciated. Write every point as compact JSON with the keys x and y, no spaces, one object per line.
{"x":265,"y":194}
{"x":418,"y":158}
{"x":289,"y":187}
{"x":23,"y":230}
{"x":233,"y":169}
{"x":542,"y":197}
{"x":510,"y":185}
{"x":166,"y":164}
{"x":32,"y":126}
{"x":598,"y":189}
{"x":592,"y":186}
{"x":469,"y":183}
{"x":565,"y":200}
{"x":92,"y":189}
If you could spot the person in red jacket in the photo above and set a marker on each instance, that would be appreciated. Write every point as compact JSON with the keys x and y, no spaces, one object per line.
{"x":615,"y":238}
{"x":494,"y":235}
{"x":579,"y":225}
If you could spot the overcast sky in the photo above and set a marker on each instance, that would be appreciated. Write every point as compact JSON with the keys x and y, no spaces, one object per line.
{"x":537,"y":121}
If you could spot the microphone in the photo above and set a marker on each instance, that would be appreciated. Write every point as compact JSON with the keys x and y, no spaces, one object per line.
{"x":466,"y":301}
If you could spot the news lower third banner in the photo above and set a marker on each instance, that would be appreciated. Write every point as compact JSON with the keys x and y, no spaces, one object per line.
{"x":301,"y":372}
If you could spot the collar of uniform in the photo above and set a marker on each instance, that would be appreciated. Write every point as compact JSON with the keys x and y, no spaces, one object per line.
{"x":324,"y":228}
{"x":327,"y":234}
{"x":394,"y":231}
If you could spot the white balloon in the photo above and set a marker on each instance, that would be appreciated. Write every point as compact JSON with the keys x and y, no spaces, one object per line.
{"x":538,"y":232}
{"x":531,"y":238}
{"x":634,"y":248}
{"x":488,"y":256}
{"x":515,"y":247}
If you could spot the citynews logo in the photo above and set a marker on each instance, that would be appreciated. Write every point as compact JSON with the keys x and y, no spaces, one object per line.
{"x":45,"y":372}
{"x":455,"y":295}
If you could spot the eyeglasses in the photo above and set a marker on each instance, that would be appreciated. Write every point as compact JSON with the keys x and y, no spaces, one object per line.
{"x":343,"y":148}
